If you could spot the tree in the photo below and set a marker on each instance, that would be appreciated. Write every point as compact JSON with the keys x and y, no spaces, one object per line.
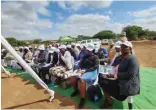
{"x":21,"y":43}
{"x":105,"y":34}
{"x":12,"y":41}
{"x":37,"y":41}
{"x":134,"y":32}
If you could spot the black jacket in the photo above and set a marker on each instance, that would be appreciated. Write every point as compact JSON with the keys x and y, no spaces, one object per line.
{"x":128,"y":76}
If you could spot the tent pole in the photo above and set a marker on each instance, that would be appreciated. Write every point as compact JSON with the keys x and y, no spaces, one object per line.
{"x":26,"y":67}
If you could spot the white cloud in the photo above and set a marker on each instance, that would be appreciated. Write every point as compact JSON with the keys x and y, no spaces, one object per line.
{"x":76,"y":5}
{"x":144,"y":13}
{"x":145,"y":18}
{"x":20,"y":19}
{"x":88,"y":24}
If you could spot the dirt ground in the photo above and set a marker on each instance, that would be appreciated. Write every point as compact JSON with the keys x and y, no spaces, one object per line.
{"x":18,"y":93}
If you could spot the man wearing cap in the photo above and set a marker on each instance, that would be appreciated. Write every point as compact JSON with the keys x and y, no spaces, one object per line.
{"x":71,"y":51}
{"x":127,"y":79}
{"x":27,"y":55}
{"x":83,"y":52}
{"x":66,"y":62}
{"x":51,"y":62}
{"x":21,"y":51}
{"x":75,"y":49}
{"x":88,"y":70}
{"x":39,"y":60}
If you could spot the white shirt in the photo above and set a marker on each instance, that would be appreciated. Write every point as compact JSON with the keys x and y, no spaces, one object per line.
{"x":67,"y":58}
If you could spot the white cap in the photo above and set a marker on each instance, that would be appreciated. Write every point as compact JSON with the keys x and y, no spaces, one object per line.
{"x":62,"y":47}
{"x":90,"y":47}
{"x":41,"y":47}
{"x":78,"y":45}
{"x":127,"y":43}
{"x":68,"y":46}
{"x":30,"y":47}
{"x":26,"y":48}
{"x":52,"y":49}
{"x":118,"y":44}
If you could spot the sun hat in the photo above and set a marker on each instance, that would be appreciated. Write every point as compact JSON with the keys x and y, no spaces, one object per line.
{"x":41,"y":47}
{"x":52,"y":49}
{"x":62,"y":47}
{"x":90,"y":47}
{"x":127,"y":43}
{"x":68,"y":46}
{"x":118,"y":44}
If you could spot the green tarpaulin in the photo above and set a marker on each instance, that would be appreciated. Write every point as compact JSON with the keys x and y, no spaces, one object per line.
{"x":66,"y":39}
{"x":145,"y":100}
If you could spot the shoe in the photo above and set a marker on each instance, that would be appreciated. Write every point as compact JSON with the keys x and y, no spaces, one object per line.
{"x":82,"y":103}
{"x":74,"y":93}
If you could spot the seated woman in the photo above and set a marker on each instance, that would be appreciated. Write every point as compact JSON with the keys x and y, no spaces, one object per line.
{"x":88,"y":70}
{"x":127,"y":79}
{"x":51,"y":62}
{"x":65,"y":63}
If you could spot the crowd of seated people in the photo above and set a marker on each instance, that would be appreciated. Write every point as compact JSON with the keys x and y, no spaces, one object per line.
{"x":61,"y":61}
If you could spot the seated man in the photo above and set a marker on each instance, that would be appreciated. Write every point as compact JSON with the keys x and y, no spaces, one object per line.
{"x":127,"y":80}
{"x":80,"y":57}
{"x":40,"y":59}
{"x":101,"y":53}
{"x":88,"y":70}
{"x":65,"y":63}
{"x":51,"y":62}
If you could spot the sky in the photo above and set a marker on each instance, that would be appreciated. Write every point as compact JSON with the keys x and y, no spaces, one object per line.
{"x":48,"y":20}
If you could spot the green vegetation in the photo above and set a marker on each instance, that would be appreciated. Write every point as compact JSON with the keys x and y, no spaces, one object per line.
{"x":132,"y":32}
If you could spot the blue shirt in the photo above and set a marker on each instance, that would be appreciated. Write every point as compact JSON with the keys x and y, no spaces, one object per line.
{"x":82,"y":54}
{"x":104,"y":51}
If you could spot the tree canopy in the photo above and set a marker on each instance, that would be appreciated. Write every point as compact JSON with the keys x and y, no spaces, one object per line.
{"x":105,"y":34}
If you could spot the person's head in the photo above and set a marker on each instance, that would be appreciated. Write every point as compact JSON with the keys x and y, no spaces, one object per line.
{"x":26,"y":49}
{"x":41,"y":48}
{"x":90,"y":48}
{"x":73,"y":45}
{"x":118,"y":48}
{"x":126,"y":48}
{"x":111,"y":43}
{"x":62,"y":48}
{"x":78,"y":46}
{"x":123,"y":37}
{"x":51,"y":50}
{"x":21,"y":49}
{"x":83,"y":47}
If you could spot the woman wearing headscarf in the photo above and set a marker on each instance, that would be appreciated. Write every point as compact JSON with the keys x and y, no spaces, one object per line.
{"x":127,"y":80}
